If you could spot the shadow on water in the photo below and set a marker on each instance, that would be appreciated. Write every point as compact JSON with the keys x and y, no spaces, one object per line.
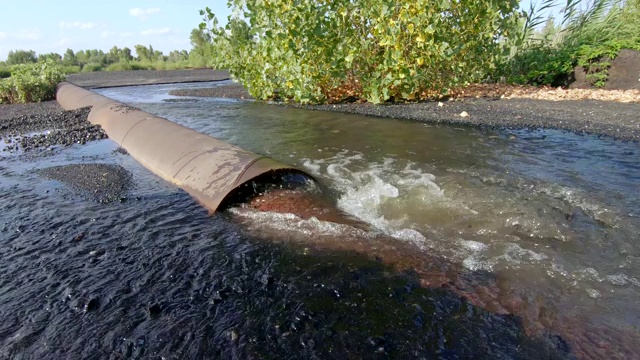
{"x":187,"y":286}
{"x":348,"y":306}
{"x":156,"y":276}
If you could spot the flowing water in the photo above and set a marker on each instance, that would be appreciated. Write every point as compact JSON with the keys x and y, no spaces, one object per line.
{"x":504,"y":244}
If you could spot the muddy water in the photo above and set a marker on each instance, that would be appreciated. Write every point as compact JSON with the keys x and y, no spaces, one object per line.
{"x":553,"y":216}
{"x":505,"y":244}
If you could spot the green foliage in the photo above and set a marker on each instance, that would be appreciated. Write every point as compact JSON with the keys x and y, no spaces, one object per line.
{"x":595,"y":59}
{"x":125,"y":65}
{"x":70,"y":69}
{"x":31,"y":83}
{"x":91,"y":67}
{"x":378,"y":50}
{"x":70,"y":58}
{"x":21,"y":57}
{"x":114,"y":60}
{"x":538,"y":65}
{"x":588,"y":37}
{"x":5,"y":73}
{"x":53,"y":56}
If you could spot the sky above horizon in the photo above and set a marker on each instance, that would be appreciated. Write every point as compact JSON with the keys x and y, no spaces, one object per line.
{"x":49,"y":26}
{"x":55,"y":26}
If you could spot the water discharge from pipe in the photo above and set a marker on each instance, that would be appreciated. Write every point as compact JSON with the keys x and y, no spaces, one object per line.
{"x":220,"y":175}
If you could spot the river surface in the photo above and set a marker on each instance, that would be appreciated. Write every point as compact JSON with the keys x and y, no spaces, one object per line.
{"x":504,"y":244}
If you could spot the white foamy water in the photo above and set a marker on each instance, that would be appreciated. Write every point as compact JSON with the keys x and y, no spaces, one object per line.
{"x":385,"y":195}
{"x":275,"y":224}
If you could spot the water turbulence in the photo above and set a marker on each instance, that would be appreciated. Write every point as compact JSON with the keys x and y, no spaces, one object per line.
{"x":413,"y":241}
{"x":540,"y":224}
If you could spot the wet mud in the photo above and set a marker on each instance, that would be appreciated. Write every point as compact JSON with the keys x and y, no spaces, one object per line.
{"x":101,"y":79}
{"x":100,"y":182}
{"x":32,"y":128}
{"x":230,"y":90}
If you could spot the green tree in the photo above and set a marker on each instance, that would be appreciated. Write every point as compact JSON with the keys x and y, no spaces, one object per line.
{"x":53,"y":56}
{"x":70,"y":58}
{"x":201,"y":43}
{"x":126,"y":54}
{"x":21,"y":57}
{"x":143,"y":53}
{"x":550,"y":30}
{"x":177,"y":56}
{"x":115,"y":54}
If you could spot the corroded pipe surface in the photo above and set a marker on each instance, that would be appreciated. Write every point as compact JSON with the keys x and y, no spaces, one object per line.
{"x":209,"y":169}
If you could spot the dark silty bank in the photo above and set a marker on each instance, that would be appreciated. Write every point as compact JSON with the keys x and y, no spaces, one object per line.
{"x":100,"y":182}
{"x":32,"y":126}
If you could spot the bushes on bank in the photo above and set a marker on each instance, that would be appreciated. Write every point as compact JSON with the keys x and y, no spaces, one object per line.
{"x":586,"y":37}
{"x":31,"y":83}
{"x":378,"y":50}
{"x":91,"y":67}
{"x":116,"y":59}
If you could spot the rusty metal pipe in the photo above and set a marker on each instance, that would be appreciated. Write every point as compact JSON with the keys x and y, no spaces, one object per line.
{"x":207,"y":168}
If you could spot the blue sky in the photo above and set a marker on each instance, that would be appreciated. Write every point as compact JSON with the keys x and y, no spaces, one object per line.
{"x":53,"y":26}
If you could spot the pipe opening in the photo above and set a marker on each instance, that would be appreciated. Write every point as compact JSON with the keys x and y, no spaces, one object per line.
{"x":280,"y":179}
{"x":293,"y":192}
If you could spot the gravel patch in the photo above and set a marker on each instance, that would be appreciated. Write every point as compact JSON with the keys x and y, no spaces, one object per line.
{"x":617,"y":120}
{"x":100,"y":182}
{"x":102,"y":79}
{"x":26,"y":127}
{"x":233,"y":91}
{"x":42,"y":125}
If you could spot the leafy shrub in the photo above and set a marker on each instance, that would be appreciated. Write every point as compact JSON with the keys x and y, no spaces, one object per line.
{"x":4,"y":73}
{"x":595,"y":58}
{"x":120,"y":66}
{"x":588,"y":37}
{"x":138,"y":66}
{"x":31,"y":83}
{"x":70,"y":69}
{"x":538,"y":65}
{"x":91,"y":67}
{"x":378,"y":50}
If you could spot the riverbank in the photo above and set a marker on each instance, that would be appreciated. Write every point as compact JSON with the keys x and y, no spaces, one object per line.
{"x":102,"y":79}
{"x":610,"y":113}
{"x":31,"y":131}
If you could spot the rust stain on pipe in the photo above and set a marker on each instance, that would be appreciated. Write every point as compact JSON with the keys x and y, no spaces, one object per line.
{"x":207,"y":168}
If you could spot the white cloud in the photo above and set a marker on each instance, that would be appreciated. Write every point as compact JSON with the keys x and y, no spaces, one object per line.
{"x":143,"y":13}
{"x":107,"y":34}
{"x":162,"y":31}
{"x":27,"y":35}
{"x":63,"y":42}
{"x":78,"y":25}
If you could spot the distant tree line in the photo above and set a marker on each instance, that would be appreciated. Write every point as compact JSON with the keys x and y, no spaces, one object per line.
{"x":117,"y":58}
